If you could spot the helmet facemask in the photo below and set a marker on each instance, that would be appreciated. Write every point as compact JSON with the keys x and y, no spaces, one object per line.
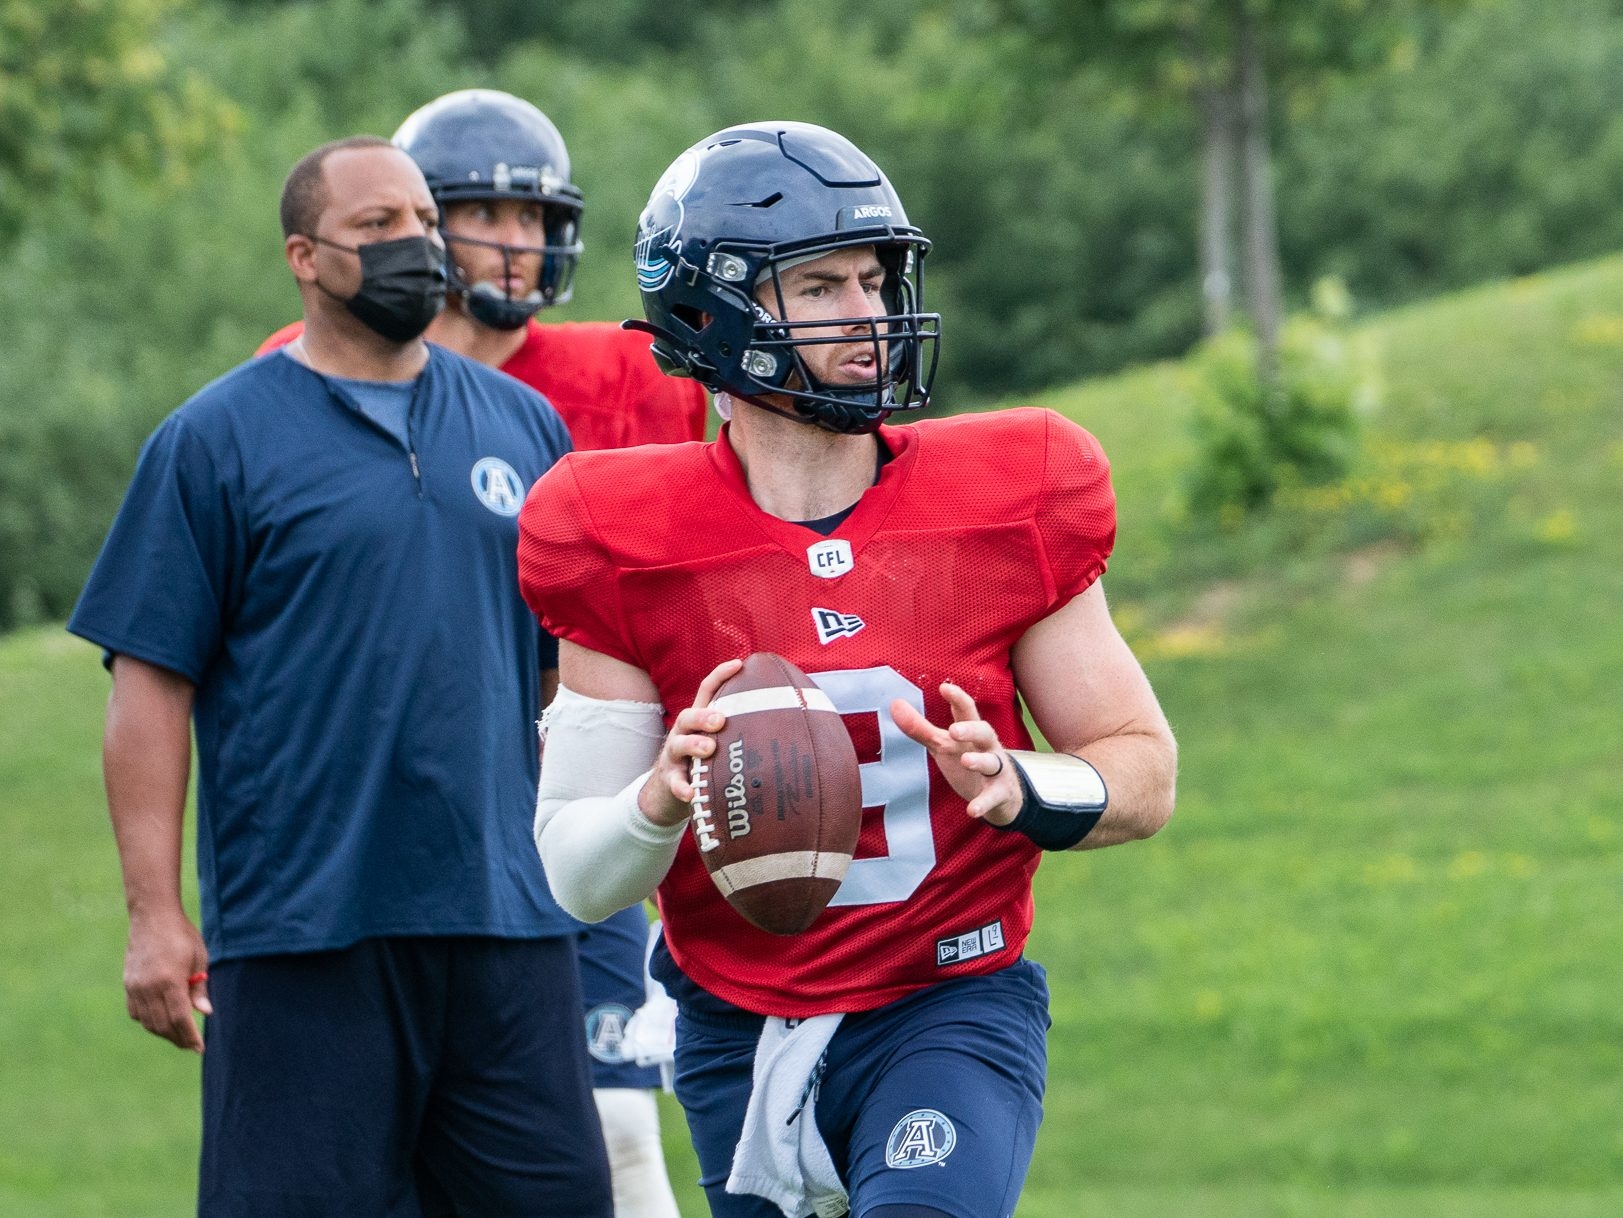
{"x":903,"y":340}
{"x":499,"y":308}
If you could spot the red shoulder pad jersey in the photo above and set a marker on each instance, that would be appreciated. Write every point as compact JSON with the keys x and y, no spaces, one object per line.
{"x":979,"y":527}
{"x":600,"y":378}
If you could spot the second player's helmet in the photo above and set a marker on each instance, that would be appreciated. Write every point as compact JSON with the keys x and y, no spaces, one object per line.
{"x":485,"y":144}
{"x":728,"y":215}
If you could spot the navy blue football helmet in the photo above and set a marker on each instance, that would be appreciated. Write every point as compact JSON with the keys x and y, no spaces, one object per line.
{"x":722,"y":222}
{"x":484,"y":144}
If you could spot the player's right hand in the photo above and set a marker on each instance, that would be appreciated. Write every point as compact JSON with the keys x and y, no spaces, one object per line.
{"x":666,"y":797}
{"x":166,"y":977}
{"x":968,"y":754}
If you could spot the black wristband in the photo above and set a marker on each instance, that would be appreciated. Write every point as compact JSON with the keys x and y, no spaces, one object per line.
{"x":1053,"y":825}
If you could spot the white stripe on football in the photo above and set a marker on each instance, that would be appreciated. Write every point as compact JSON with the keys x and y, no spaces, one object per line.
{"x":790,"y":865}
{"x":782,"y":697}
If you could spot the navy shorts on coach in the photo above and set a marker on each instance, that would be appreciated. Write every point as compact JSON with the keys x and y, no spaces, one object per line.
{"x":400,"y":1078}
{"x":931,"y":1101}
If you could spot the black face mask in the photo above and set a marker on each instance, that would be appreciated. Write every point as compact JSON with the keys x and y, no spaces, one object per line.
{"x":402,"y":285}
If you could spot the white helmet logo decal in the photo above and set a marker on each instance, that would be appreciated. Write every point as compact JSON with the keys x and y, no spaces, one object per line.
{"x":661,"y":221}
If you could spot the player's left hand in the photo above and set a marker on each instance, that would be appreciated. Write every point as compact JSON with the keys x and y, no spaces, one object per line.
{"x":667,"y":797}
{"x":968,"y":755}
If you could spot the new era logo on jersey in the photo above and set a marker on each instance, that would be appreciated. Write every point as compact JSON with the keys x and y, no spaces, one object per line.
{"x":969,"y":946}
{"x":830,"y":559}
{"x":831,"y":625}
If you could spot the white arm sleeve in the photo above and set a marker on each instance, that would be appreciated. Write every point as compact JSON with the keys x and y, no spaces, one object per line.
{"x":600,"y":852}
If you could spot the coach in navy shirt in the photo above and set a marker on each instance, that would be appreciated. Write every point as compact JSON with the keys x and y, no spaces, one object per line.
{"x":315,"y":562}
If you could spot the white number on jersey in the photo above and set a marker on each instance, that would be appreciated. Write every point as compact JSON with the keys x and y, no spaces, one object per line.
{"x":899,"y":781}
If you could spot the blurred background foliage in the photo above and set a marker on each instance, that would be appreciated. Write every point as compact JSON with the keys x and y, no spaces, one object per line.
{"x":1053,"y":151}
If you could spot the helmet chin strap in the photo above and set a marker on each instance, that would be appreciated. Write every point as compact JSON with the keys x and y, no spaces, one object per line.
{"x":490,"y":308}
{"x":832,"y":403}
{"x":807,"y":414}
{"x":791,"y":413}
{"x":817,"y":412}
{"x":482,"y":302}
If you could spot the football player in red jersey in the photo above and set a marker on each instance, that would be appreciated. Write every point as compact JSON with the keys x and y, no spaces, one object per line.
{"x":510,"y":216}
{"x":930,"y":577}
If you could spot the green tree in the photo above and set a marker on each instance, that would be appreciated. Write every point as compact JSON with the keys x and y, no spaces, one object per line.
{"x":123,"y":299}
{"x":1492,"y":145}
{"x":621,"y":31}
{"x":1225,"y":60}
{"x":87,"y":84}
{"x":1056,"y":212}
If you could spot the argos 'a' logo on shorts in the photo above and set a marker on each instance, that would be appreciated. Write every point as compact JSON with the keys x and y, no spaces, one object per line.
{"x":606,"y":1032}
{"x":920,"y":1139}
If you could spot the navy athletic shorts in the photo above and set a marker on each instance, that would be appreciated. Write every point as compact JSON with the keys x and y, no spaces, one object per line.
{"x":931,"y":1101}
{"x":611,"y":978}
{"x":400,"y":1078}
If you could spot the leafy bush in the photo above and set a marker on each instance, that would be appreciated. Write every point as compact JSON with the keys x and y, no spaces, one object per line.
{"x":1257,"y":435}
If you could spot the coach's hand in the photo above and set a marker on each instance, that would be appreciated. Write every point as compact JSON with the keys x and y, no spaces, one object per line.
{"x":667,"y":796}
{"x":166,"y":977}
{"x":968,"y":754}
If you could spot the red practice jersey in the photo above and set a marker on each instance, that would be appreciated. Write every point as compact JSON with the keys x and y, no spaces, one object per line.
{"x":600,"y":378}
{"x":979,"y":527}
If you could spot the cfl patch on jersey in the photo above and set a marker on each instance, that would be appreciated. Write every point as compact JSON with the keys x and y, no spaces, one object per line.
{"x":830,"y":559}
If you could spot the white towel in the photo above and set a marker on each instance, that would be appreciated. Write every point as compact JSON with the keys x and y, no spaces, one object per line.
{"x":650,"y":1035}
{"x":780,"y":1153}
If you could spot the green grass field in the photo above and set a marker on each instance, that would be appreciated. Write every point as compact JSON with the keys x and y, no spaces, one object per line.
{"x":1373,"y":967}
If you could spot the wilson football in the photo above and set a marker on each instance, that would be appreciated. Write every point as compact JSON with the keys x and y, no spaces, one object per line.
{"x":777,"y":807}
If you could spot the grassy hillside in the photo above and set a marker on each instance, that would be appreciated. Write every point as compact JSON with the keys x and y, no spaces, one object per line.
{"x":1371,"y":968}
